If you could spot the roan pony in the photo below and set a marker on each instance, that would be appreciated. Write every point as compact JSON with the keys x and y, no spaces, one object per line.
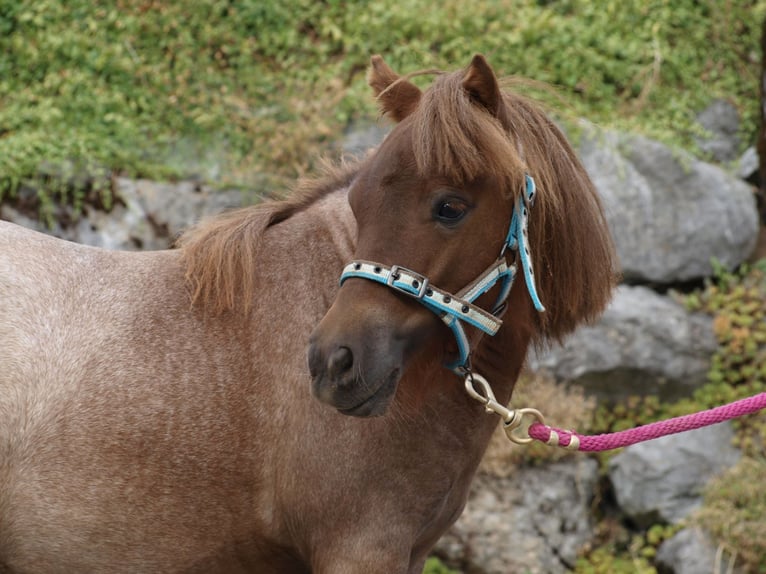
{"x":158,"y":412}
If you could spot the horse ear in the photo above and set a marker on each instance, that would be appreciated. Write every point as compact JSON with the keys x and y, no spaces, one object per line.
{"x":481,"y":84}
{"x":397,"y":98}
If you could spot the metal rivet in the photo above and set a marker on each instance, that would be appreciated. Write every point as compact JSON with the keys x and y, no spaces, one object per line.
{"x":357,"y":266}
{"x":464,"y":309}
{"x":415,"y":283}
{"x":377,"y":270}
{"x":429,"y":292}
{"x":447,"y":299}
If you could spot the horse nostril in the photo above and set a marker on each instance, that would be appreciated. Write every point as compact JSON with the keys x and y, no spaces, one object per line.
{"x":341,"y":360}
{"x":315,"y":361}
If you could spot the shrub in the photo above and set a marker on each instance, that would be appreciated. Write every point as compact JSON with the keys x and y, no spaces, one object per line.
{"x":229,"y":91}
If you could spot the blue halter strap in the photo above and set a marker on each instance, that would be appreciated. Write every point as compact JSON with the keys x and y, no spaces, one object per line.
{"x":455,"y":310}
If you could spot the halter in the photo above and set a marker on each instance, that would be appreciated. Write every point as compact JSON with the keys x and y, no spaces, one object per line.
{"x":457,"y":309}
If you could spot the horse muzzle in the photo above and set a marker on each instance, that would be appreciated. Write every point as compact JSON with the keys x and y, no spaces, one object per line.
{"x":357,"y":376}
{"x":359,"y":351}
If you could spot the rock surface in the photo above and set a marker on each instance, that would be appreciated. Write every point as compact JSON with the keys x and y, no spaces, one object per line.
{"x":747,"y":166}
{"x":662,"y":480}
{"x":721,"y":122}
{"x":669,"y":213}
{"x":533,"y":522}
{"x":690,"y":551}
{"x":361,"y":137}
{"x":146,"y":215}
{"x":644,"y":343}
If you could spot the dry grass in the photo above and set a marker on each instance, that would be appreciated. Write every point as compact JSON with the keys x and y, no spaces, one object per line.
{"x":735,"y":512}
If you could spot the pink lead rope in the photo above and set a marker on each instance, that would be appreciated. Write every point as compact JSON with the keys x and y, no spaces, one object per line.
{"x":574,"y":441}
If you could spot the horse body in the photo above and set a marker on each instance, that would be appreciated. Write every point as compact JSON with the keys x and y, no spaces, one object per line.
{"x":139,"y":436}
{"x":142,"y":433}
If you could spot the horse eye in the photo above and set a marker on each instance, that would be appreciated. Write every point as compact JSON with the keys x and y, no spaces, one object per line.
{"x":451,"y":211}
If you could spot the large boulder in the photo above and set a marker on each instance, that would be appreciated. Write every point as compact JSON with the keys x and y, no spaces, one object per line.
{"x":534,"y":521}
{"x":644,"y":343}
{"x":662,"y":480}
{"x":670,"y":214}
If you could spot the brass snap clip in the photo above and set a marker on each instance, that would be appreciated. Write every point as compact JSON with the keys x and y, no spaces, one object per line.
{"x":513,"y":419}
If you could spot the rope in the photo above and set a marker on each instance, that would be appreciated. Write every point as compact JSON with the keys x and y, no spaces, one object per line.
{"x":596,"y":443}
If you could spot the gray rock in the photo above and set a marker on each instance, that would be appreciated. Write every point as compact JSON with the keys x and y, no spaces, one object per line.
{"x":661,"y":480}
{"x":747,"y":166}
{"x":669,"y":213}
{"x":644,"y":343}
{"x":721,"y":122}
{"x":362,"y":137}
{"x":533,"y":522}
{"x":146,"y":215}
{"x":169,"y":208}
{"x":690,"y":551}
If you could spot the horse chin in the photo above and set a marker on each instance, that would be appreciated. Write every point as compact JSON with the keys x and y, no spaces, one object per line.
{"x":377,"y":403}
{"x":365,"y":400}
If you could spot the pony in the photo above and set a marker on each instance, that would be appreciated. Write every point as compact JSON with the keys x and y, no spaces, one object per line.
{"x":226,"y":406}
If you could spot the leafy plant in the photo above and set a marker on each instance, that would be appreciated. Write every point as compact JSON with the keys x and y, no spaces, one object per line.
{"x":435,"y":566}
{"x":231,"y":91}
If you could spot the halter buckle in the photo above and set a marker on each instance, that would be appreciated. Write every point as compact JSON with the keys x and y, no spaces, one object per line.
{"x":413,"y":280}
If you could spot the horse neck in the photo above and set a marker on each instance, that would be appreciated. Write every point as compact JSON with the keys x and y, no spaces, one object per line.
{"x":439,"y":398}
{"x":297,"y":278}
{"x":500,"y":358}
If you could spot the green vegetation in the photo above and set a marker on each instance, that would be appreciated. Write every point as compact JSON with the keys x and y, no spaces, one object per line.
{"x":434,"y":566}
{"x":735,"y":503}
{"x":250,"y":92}
{"x":625,"y":552}
{"x":735,"y":513}
{"x":738,"y":303}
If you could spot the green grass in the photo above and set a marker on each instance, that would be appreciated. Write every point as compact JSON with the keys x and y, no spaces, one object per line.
{"x":249,"y":93}
{"x":434,"y":566}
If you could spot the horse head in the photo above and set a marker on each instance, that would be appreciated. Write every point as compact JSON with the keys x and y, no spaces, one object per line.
{"x":442,"y":208}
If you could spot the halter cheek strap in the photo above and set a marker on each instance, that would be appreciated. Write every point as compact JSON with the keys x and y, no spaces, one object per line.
{"x":455,"y":310}
{"x":518,"y":238}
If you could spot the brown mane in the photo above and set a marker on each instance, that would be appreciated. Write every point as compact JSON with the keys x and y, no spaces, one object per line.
{"x":457,"y":139}
{"x":220,"y":253}
{"x":571,"y":247}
